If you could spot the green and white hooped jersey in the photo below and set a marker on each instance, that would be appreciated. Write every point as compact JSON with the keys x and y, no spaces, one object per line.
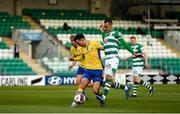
{"x":111,"y":42}
{"x":137,"y":61}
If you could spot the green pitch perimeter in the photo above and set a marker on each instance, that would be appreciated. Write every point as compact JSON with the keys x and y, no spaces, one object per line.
{"x":58,"y":99}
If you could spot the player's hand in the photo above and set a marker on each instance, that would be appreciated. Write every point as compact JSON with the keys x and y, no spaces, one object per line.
{"x":147,"y":66}
{"x":102,"y":27}
{"x":70,"y":67}
{"x":138,"y":55}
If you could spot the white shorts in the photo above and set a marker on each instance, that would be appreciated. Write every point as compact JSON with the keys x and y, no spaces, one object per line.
{"x":111,"y":66}
{"x":137,"y":71}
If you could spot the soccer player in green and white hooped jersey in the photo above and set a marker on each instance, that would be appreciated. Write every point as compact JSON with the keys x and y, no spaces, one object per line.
{"x":111,"y":41}
{"x":138,"y":65}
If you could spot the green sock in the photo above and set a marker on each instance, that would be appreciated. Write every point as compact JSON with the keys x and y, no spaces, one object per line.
{"x":117,"y":85}
{"x":107,"y":86}
{"x":145,"y":84}
{"x":135,"y":88}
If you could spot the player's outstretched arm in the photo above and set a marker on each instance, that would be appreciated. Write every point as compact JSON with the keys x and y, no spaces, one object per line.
{"x":123,"y":42}
{"x":146,"y":60}
{"x":128,"y":57}
{"x":77,"y":58}
{"x":125,"y":45}
{"x":102,"y":30}
{"x":72,"y":65}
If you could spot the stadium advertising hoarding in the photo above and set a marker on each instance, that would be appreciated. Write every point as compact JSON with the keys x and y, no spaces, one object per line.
{"x":59,"y":80}
{"x":51,"y":80}
{"x":149,"y":78}
{"x":156,"y":79}
{"x":36,"y":80}
{"x":22,"y":81}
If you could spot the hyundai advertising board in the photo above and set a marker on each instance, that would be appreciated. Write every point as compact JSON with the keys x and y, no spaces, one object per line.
{"x":59,"y":80}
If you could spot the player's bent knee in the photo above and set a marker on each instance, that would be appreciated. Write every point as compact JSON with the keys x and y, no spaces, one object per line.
{"x":78,"y":79}
{"x":136,"y":80}
{"x":108,"y":77}
{"x":78,"y":82}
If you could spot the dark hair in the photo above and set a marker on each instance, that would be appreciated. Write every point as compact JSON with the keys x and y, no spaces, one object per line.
{"x":108,"y":21}
{"x":132,"y":37}
{"x":78,"y":37}
{"x":72,"y":36}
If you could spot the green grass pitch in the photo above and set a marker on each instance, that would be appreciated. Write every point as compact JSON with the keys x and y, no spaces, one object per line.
{"x":51,"y":99}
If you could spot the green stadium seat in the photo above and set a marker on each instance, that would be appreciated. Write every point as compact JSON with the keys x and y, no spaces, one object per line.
{"x":7,"y":23}
{"x":15,"y":66}
{"x":62,"y":14}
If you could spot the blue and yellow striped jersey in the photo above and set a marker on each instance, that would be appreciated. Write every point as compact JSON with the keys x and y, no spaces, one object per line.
{"x":92,"y":56}
{"x":77,"y":53}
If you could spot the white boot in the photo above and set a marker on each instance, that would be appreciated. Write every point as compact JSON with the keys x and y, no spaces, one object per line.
{"x":74,"y":104}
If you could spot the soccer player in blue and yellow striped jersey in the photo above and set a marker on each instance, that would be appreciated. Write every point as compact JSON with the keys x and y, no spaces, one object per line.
{"x":93,"y":66}
{"x":77,"y":55}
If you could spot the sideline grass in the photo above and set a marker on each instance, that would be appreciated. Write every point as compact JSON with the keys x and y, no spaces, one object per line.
{"x":57,"y":99}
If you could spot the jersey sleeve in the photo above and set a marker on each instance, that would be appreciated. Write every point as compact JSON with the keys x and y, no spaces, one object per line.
{"x":78,"y":58}
{"x":102,"y":43}
{"x":117,"y":35}
{"x":72,"y":51}
{"x":120,"y":38}
{"x":103,"y":35}
{"x":126,"y":46}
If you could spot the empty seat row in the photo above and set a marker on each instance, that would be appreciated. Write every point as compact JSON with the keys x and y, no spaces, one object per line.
{"x":3,"y":45}
{"x":8,"y":23}
{"x":76,"y":30}
{"x":168,"y":65}
{"x":61,"y":14}
{"x":152,"y":46}
{"x":15,"y":66}
{"x":88,"y":23}
{"x":58,"y":67}
{"x":6,"y":53}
